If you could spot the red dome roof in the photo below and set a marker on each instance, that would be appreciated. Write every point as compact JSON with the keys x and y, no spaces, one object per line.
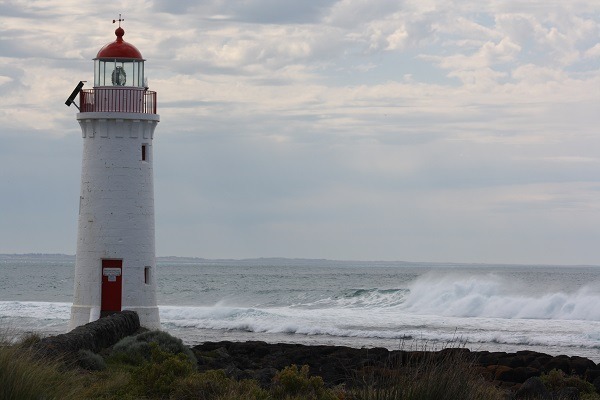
{"x":120,"y":48}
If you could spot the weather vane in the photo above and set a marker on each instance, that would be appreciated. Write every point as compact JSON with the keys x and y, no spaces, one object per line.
{"x":120,"y":20}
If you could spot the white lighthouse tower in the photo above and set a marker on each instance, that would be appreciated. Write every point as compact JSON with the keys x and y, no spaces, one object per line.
{"x":115,"y":264}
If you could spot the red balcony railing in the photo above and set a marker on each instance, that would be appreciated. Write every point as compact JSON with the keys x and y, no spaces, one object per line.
{"x":129,"y":100}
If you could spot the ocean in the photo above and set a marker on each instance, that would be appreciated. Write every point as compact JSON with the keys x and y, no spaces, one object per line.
{"x":397,"y":305}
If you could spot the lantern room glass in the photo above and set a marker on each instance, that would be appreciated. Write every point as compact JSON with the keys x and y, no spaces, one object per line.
{"x":119,"y":73}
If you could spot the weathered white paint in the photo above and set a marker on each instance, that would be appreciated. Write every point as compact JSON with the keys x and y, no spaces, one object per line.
{"x":116,"y":213}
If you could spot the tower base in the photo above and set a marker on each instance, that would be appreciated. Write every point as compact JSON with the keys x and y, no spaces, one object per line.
{"x":81,"y":315}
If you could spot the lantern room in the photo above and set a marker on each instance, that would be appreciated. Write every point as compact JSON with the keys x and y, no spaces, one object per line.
{"x":119,"y":81}
{"x":119,"y":64}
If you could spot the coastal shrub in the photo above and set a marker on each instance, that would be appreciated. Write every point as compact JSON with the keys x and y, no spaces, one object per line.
{"x":89,"y":360}
{"x":157,"y":378}
{"x":215,"y":385}
{"x":556,"y":380}
{"x":129,"y":351}
{"x":136,"y":350}
{"x":293,"y":382}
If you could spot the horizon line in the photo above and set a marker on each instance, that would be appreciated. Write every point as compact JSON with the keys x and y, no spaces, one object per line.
{"x":246,"y":259}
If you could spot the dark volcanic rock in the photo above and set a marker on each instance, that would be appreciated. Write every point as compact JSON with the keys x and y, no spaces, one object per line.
{"x":533,"y":388}
{"x":510,"y":360}
{"x":488,"y":358}
{"x":540,"y":361}
{"x":579,"y":365}
{"x":521,"y":374}
{"x":94,"y":336}
{"x":562,"y":363}
{"x":335,"y":364}
{"x":350,"y":366}
{"x":504,"y":374}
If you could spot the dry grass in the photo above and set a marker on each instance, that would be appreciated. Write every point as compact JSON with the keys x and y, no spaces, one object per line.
{"x":448,"y":375}
{"x":25,"y":376}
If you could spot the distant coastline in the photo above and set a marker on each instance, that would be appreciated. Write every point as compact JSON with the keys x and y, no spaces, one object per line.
{"x":283,"y":261}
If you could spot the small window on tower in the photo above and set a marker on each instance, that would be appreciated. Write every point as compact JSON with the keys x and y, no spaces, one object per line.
{"x":147,"y":275}
{"x":144,"y":152}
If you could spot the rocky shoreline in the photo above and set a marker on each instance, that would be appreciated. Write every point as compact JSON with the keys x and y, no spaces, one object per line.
{"x":343,"y":365}
{"x":336,"y":365}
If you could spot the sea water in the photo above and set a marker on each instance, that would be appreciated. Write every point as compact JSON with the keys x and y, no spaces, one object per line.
{"x":397,"y":305}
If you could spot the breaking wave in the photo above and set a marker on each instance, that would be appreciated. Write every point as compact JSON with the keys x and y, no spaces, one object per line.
{"x":361,"y":298}
{"x":492,"y":297}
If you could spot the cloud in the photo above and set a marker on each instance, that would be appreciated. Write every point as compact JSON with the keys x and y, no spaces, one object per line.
{"x":340,"y":129}
{"x":353,"y":13}
{"x":593,"y":52}
{"x":11,"y":78}
{"x":250,"y":11}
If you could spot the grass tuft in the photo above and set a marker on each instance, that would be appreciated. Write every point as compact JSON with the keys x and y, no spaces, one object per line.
{"x":446,"y":375}
{"x":215,"y":385}
{"x":25,"y":376}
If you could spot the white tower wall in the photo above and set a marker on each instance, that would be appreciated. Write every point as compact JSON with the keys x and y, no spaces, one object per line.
{"x":116,"y":214}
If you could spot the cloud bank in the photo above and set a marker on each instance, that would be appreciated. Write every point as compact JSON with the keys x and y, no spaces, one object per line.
{"x":351,"y":129}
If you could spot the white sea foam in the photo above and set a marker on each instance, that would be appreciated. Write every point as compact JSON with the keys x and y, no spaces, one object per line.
{"x":384,"y":324}
{"x":491,"y":296}
{"x":35,"y":309}
{"x":46,"y":318}
{"x":277,"y":320}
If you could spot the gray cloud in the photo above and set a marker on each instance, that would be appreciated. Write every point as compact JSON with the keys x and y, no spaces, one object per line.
{"x":278,"y":12}
{"x":351,"y":129}
{"x":253,"y":11}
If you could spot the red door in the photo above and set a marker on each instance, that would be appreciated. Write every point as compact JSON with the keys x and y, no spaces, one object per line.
{"x":111,"y":287}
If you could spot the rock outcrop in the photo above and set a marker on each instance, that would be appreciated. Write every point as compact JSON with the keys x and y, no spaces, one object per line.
{"x":343,"y":365}
{"x":93,"y":336}
{"x":533,"y":388}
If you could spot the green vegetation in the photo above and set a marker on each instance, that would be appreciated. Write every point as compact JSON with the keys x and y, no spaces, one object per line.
{"x":556,"y":380}
{"x":155,"y":365}
{"x":136,"y":349}
{"x":294,"y":383}
{"x":448,"y":377}
{"x":90,"y":361}
{"x":216,"y":385}
{"x":22,"y":376}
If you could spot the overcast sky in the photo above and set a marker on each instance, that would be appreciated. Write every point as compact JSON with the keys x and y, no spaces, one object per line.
{"x":418,"y":130}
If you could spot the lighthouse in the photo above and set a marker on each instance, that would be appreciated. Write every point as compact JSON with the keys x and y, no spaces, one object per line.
{"x":115,"y":267}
